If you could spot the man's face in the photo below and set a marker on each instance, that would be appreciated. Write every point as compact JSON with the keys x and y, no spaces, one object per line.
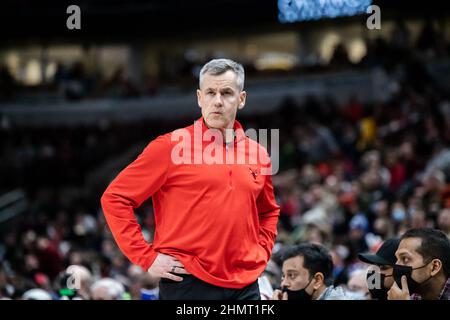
{"x":357,"y":283}
{"x":295,"y":276}
{"x":387,"y":270}
{"x":219,"y":98}
{"x":407,"y":255}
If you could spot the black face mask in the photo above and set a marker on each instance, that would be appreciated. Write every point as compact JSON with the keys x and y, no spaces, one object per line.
{"x":400,"y":271}
{"x":298,"y":294}
{"x":378,"y":293}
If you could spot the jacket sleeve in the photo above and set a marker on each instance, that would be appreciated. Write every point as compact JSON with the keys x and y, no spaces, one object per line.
{"x":268,"y":216}
{"x":135,"y":184}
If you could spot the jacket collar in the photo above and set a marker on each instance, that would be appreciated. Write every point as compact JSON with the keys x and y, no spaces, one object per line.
{"x":239,"y":133}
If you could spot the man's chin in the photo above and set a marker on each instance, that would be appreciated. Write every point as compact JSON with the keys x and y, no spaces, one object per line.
{"x":215,"y":123}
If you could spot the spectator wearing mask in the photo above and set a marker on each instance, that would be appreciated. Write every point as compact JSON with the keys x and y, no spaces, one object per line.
{"x":357,"y":286}
{"x":307,"y":275}
{"x":380,"y":280}
{"x":76,"y":282}
{"x":423,"y":266}
{"x":107,"y":289}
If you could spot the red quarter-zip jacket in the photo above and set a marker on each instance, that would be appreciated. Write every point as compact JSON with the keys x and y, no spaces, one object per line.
{"x":218,"y":219}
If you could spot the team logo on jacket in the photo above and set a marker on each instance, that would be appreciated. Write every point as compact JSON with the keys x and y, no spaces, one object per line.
{"x":254,"y":172}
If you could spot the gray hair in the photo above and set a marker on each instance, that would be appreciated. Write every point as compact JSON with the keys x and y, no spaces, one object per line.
{"x":217,"y":67}
{"x":114,"y":288}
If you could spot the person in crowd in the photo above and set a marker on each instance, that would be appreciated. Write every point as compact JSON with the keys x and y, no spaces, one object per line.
{"x":422,"y":270}
{"x":307,"y":275}
{"x":380,"y":279}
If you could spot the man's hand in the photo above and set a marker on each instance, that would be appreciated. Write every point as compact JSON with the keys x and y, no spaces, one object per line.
{"x":395,"y":293}
{"x":279,"y":295}
{"x":164,"y":266}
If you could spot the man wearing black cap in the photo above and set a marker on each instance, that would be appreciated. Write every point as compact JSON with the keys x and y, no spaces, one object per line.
{"x":380,"y":281}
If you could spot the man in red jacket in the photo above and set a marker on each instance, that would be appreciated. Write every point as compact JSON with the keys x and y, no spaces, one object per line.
{"x":214,"y":205}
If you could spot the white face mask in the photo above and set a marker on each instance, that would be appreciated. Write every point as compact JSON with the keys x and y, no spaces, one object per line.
{"x":356,"y":295}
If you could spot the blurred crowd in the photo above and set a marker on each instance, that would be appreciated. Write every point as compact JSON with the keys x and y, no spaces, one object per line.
{"x":351,"y":176}
{"x":75,"y":81}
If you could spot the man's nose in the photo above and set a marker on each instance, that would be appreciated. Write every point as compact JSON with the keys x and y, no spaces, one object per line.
{"x":218,"y":100}
{"x":284,"y":283}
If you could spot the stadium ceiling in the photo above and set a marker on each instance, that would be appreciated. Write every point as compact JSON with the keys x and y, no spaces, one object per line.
{"x":105,"y":20}
{"x":129,"y":18}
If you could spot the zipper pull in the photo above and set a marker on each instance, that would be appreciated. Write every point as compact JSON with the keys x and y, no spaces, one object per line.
{"x":254,"y":173}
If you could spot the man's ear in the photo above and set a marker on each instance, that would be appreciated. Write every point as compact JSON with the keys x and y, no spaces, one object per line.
{"x":242,"y":97}
{"x":319,"y":279}
{"x":436,"y":266}
{"x":199,"y":97}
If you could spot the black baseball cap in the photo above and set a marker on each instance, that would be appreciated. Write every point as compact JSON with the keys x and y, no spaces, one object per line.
{"x":384,"y":256}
